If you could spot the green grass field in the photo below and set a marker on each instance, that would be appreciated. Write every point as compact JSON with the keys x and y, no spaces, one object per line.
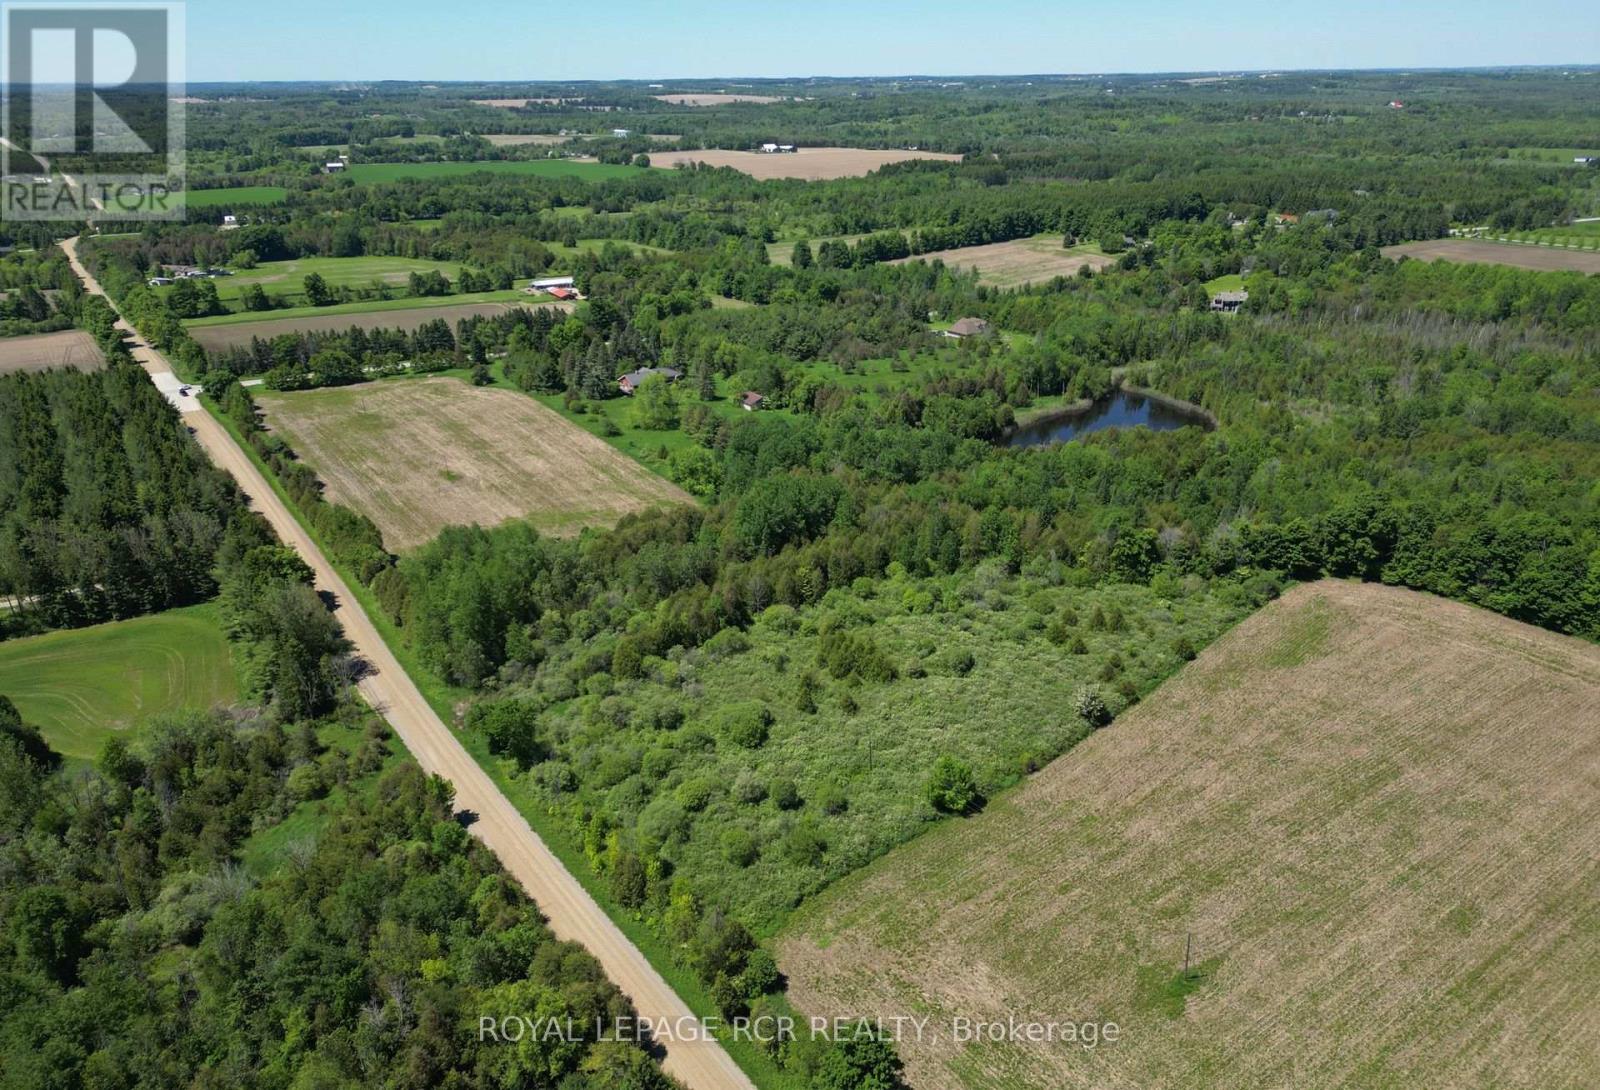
{"x":1231,"y":282}
{"x":377,"y":173}
{"x":368,"y":306}
{"x":227,"y":198}
{"x":81,"y":686}
{"x":286,"y":279}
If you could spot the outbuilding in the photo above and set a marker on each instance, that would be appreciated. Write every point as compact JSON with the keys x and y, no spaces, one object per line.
{"x":968,"y":327}
{"x":550,"y":283}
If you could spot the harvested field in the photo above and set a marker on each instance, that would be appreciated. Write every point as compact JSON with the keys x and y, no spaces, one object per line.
{"x":517,"y":140}
{"x":417,"y":455}
{"x":214,"y":337}
{"x":44,"y":351}
{"x":1021,"y":261}
{"x":1374,"y":811}
{"x":807,"y":164}
{"x":1516,"y":255}
{"x":717,"y":100}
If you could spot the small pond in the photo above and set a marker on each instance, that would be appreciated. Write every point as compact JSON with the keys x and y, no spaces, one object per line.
{"x":1120,"y":410}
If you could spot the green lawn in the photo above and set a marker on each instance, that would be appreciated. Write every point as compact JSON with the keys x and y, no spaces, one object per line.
{"x":80,"y":686}
{"x":286,"y":279}
{"x":1231,"y":282}
{"x":376,"y":173}
{"x":227,"y":198}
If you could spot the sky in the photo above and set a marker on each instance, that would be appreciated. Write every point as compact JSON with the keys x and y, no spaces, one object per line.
{"x":649,"y":39}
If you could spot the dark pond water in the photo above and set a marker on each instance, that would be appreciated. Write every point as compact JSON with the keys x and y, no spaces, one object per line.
{"x":1120,"y":410}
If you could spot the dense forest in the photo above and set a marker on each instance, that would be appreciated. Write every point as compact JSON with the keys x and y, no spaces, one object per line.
{"x":107,"y":508}
{"x":140,"y":953}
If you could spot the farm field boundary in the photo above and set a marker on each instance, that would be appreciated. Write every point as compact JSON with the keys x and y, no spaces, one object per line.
{"x":1374,"y":801}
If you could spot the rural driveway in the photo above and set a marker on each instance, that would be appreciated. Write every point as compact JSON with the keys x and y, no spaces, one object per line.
{"x":702,"y":1064}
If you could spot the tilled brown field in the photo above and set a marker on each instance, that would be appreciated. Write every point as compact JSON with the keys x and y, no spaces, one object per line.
{"x":417,"y":455}
{"x":1516,"y":255}
{"x":223,"y":336}
{"x":1021,"y":261}
{"x":807,"y":164}
{"x":44,"y":351}
{"x":1376,"y":813}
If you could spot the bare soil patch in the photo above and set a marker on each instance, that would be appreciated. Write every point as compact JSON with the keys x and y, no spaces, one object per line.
{"x":1021,"y":261}
{"x":45,"y":351}
{"x":417,"y":455}
{"x":1516,"y":255}
{"x":807,"y":164}
{"x":716,"y":100}
{"x":1374,"y":811}
{"x":222,"y":336}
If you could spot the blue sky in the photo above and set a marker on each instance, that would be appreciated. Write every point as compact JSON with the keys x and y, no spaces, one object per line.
{"x":648,"y":39}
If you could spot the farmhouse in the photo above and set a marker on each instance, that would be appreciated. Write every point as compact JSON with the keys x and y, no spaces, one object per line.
{"x":630,"y":382}
{"x":1229,"y":302}
{"x":334,"y":168}
{"x":778,"y":149}
{"x":752,"y":401}
{"x":161,"y":281}
{"x":967,"y":327}
{"x":230,"y":223}
{"x":563,"y":294}
{"x":622,"y":134}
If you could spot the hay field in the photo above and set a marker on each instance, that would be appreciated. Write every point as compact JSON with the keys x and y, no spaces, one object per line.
{"x":214,"y":335}
{"x":806,"y":164}
{"x":81,"y":686}
{"x":44,"y":351}
{"x":1022,"y":261}
{"x":717,"y":100}
{"x":1516,"y":255}
{"x":1376,"y":812}
{"x":517,"y":140}
{"x":417,"y":455}
{"x":228,"y":198}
